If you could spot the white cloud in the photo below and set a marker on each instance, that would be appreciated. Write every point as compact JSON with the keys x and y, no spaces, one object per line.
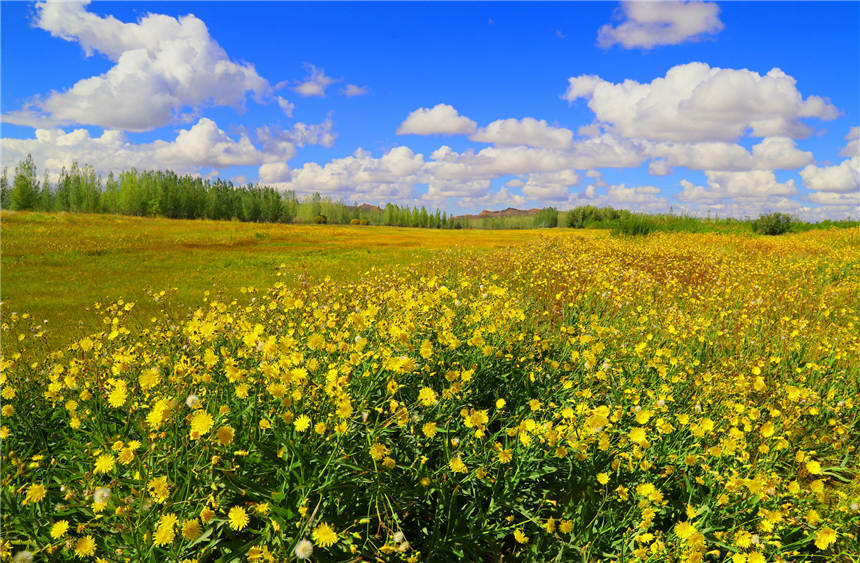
{"x":527,"y":131}
{"x":161,"y":66}
{"x":551,"y":186}
{"x":773,"y":153}
{"x":353,"y":90}
{"x":749,"y":185}
{"x":659,"y":167}
{"x":493,"y":200}
{"x":273,"y":172}
{"x":316,"y":82}
{"x":636,"y":198}
{"x":515,"y":183}
{"x":852,"y":148}
{"x":695,"y":102}
{"x":853,"y":133}
{"x":650,"y":24}
{"x":286,"y":106}
{"x":842,"y":178}
{"x":441,"y":119}
{"x":202,"y":145}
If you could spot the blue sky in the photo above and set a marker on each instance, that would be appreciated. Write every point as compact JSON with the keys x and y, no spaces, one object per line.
{"x":723,"y":108}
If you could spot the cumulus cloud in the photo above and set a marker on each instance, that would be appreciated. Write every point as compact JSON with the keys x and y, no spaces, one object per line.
{"x":301,"y":134}
{"x":552,"y":186}
{"x":842,"y":178}
{"x":286,"y":106}
{"x":750,"y":185}
{"x":695,"y":102}
{"x":353,"y":90}
{"x":636,"y":198}
{"x":659,"y":167}
{"x":527,"y":131}
{"x":202,"y":145}
{"x":651,"y":24}
{"x":441,"y":119}
{"x":773,"y":153}
{"x":853,"y":146}
{"x":315,"y":83}
{"x":161,"y":66}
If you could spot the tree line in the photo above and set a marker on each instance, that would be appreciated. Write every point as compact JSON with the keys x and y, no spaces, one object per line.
{"x":167,"y":194}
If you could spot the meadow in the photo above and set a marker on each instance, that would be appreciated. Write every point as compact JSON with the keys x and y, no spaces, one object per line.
{"x":373,"y":393}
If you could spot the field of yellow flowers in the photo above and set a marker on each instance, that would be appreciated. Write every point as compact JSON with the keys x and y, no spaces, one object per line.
{"x":575,"y":398}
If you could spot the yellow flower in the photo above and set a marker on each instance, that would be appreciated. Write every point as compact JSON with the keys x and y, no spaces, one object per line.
{"x":637,"y":435}
{"x":602,"y":478}
{"x":159,"y":489}
{"x":505,"y":456}
{"x":755,"y":557}
{"x":59,"y":529}
{"x":206,"y":515}
{"x":429,"y":429}
{"x":566,"y":526}
{"x":457,"y":465}
{"x":324,"y":535}
{"x":825,"y":537}
{"x":191,"y":529}
{"x":427,"y":397}
{"x":85,"y":547}
{"x":685,"y":530}
{"x":520,"y":536}
{"x":164,"y":533}
{"x":378,"y":451}
{"x":500,"y":404}
{"x":225,"y":435}
{"x":35,"y":493}
{"x":238,"y":518}
{"x":302,"y":423}
{"x":104,"y":464}
{"x":201,"y":423}
{"x":813,"y":467}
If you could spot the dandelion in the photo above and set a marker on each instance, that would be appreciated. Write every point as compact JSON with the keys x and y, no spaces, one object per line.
{"x":35,"y":493}
{"x":104,"y":464}
{"x":59,"y":529}
{"x":505,"y":456}
{"x":302,"y":423}
{"x":238,"y":518}
{"x":457,"y":465}
{"x":191,"y":529}
{"x":324,"y":535}
{"x":427,"y":397}
{"x":602,"y":478}
{"x":101,"y":495}
{"x":225,"y":435}
{"x":813,"y":467}
{"x":164,"y":532}
{"x":520,"y":536}
{"x":378,"y":451}
{"x":85,"y":547}
{"x":825,"y":537}
{"x":304,"y":549}
{"x":23,"y":557}
{"x":192,"y":401}
{"x":201,"y":423}
{"x":429,"y":429}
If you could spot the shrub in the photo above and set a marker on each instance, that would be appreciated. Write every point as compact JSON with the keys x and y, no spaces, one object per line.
{"x":634,"y":225}
{"x":772,"y":224}
{"x":320,"y":219}
{"x":355,"y":222}
{"x":546,"y":218}
{"x":365,"y":222}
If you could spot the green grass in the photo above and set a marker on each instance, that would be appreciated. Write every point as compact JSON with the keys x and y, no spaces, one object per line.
{"x":56,"y":266}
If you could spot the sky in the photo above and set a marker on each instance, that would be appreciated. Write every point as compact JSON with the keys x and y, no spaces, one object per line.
{"x":726,"y":109}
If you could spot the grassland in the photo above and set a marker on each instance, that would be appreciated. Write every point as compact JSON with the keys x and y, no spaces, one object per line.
{"x":480,"y":396}
{"x":56,"y":266}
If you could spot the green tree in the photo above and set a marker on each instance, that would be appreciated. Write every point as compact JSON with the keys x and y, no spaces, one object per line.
{"x":25,"y":188}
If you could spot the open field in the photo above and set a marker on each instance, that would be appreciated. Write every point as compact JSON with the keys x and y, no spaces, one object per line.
{"x":480,"y":396}
{"x":57,"y":266}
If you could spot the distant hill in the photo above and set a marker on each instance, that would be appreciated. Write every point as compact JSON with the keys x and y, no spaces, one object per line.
{"x":509,"y":212}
